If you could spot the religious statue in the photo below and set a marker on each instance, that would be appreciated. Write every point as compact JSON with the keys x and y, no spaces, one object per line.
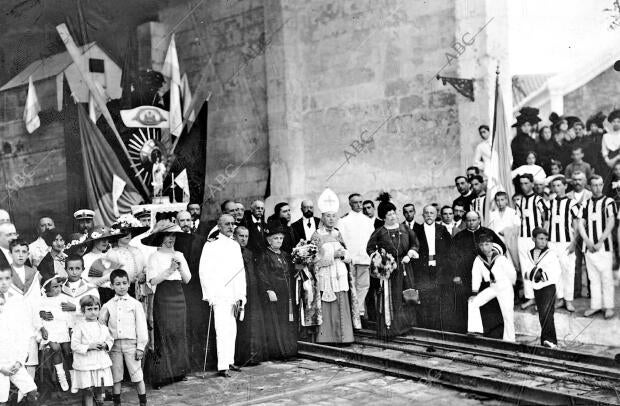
{"x":158,"y":171}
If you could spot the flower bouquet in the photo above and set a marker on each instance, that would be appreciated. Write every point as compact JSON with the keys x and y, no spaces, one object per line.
{"x":382,"y":264}
{"x":304,"y":253}
{"x":307,"y":296}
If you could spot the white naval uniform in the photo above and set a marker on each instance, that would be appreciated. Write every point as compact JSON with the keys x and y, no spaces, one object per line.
{"x":502,"y":276}
{"x":222,"y":277}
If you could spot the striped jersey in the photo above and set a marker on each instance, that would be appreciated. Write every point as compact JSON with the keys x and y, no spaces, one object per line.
{"x":596,"y":212}
{"x":531,"y":210}
{"x":478,"y":205}
{"x":562,"y":212}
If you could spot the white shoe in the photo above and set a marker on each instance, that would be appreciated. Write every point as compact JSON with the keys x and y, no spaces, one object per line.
{"x":549,"y":344}
{"x":62,"y":377}
{"x":73,"y":387}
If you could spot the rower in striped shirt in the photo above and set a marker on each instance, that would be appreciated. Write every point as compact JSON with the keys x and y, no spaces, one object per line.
{"x":532,"y":211}
{"x":595,"y":227}
{"x":479,"y":203}
{"x":564,"y":214}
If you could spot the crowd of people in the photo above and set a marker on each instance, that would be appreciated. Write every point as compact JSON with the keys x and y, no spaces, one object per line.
{"x":136,"y":301}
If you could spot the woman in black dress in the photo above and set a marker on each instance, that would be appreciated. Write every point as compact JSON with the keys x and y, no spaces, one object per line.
{"x":166,"y":270}
{"x":276,"y":273}
{"x":401,"y":242}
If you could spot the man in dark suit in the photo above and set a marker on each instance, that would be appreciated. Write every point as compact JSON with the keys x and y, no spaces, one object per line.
{"x":307,"y":224}
{"x":409,"y":213}
{"x":255,"y":223}
{"x":7,"y":234}
{"x":196,"y":307}
{"x":433,"y":271}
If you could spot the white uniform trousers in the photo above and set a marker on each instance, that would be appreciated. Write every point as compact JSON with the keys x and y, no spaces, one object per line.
{"x":565,"y":286}
{"x":505,"y":297}
{"x":600,"y":274}
{"x":361,"y":280}
{"x":524,"y":245}
{"x":225,"y":334}
{"x":22,"y":380}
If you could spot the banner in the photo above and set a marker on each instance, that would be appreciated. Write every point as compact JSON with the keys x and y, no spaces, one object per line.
{"x":32,"y":109}
{"x":171,"y":71}
{"x":100,"y":167}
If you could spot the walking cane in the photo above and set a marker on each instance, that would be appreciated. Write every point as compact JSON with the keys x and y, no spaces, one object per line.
{"x":204,"y":367}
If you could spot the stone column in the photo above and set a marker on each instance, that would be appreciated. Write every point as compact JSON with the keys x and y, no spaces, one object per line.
{"x":482,"y":31}
{"x":284,"y":74}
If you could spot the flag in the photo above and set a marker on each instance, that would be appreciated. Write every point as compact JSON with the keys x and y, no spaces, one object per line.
{"x":183,"y":183}
{"x":186,"y":94}
{"x":32,"y":109}
{"x":101,"y":170}
{"x":499,"y":177}
{"x":170,"y":69}
{"x":117,"y":191}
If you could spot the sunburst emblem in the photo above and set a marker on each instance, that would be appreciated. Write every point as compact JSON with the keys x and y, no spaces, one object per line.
{"x":144,"y":147}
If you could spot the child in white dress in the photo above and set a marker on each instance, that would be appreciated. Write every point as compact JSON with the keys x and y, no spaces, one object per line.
{"x":91,"y":342}
{"x":55,"y":332}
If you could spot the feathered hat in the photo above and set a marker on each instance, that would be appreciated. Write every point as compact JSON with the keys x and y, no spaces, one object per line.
{"x":385,"y":205}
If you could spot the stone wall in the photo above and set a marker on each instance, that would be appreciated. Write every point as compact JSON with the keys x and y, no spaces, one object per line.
{"x":599,"y":94}
{"x":337,"y":93}
{"x":226,"y":39}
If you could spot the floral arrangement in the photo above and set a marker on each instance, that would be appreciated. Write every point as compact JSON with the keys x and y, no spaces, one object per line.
{"x":74,"y":243}
{"x":126,"y":221}
{"x":304,"y":253}
{"x":382,"y":264}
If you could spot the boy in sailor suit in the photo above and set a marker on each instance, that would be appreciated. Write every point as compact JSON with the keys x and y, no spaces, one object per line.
{"x":542,"y":268}
{"x":499,"y":275}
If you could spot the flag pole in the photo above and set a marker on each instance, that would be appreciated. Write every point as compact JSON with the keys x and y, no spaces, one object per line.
{"x":495,"y":108}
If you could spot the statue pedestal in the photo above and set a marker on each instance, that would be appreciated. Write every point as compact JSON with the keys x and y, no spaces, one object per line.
{"x":161,"y":200}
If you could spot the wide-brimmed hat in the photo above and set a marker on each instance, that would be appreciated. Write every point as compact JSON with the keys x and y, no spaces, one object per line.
{"x":613,"y":115}
{"x":101,"y":233}
{"x":161,"y":229}
{"x":572,"y":120}
{"x":74,"y":242}
{"x":127,"y":224}
{"x":598,"y":119}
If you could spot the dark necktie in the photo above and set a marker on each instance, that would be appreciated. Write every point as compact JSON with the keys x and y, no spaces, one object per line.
{"x":309,"y":224}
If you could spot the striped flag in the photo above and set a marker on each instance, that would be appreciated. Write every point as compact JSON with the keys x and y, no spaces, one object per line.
{"x":32,"y":109}
{"x":170,"y":69}
{"x":499,"y":178}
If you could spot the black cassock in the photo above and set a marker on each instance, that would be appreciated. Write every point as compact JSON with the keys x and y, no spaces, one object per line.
{"x":276,"y":272}
{"x":465,"y":249}
{"x":251,"y":346}
{"x":441,"y":300}
{"x":197,"y":309}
